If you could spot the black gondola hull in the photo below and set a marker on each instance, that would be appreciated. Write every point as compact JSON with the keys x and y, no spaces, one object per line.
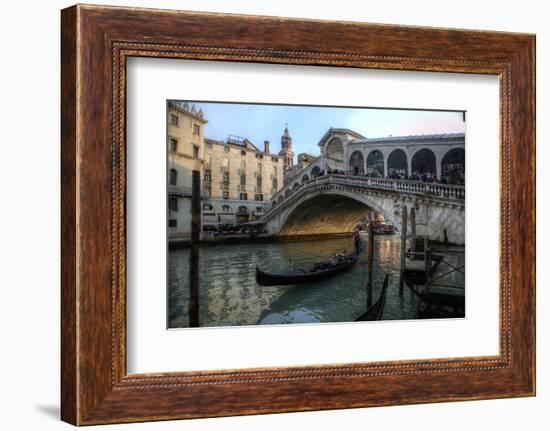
{"x":281,"y":279}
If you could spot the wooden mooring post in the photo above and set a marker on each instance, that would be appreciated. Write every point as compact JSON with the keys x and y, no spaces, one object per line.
{"x":194,"y":252}
{"x":413,"y":229}
{"x":370,"y":260}
{"x":403,"y":247}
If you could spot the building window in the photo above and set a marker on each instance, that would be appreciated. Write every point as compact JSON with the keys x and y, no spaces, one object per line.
{"x":225,"y":195}
{"x":226,"y":209}
{"x":226,"y":177}
{"x":259,"y":182}
{"x":174,"y":120}
{"x":196,"y":129}
{"x":243,"y":152}
{"x":243,"y":196}
{"x":207,"y":207}
{"x":259,"y":197}
{"x":172,"y":223}
{"x":173,"y":177}
{"x":259,"y":156}
{"x":243,"y":180}
{"x":209,"y":145}
{"x":208,"y":175}
{"x":275,"y":183}
{"x":173,"y":204}
{"x":275,"y":159}
{"x":195,"y":152}
{"x":226,"y":148}
{"x":259,"y":167}
{"x":260,"y":209}
{"x":173,"y":145}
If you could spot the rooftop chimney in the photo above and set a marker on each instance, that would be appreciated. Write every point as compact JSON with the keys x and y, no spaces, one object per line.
{"x":266,"y":147}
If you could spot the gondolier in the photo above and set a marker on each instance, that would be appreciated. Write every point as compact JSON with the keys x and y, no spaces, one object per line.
{"x":320,"y":271}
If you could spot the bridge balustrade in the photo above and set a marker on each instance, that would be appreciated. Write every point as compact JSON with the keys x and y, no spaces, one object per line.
{"x":405,"y":186}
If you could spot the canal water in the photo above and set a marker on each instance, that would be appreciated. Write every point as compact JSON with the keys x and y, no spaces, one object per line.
{"x":229,"y":294}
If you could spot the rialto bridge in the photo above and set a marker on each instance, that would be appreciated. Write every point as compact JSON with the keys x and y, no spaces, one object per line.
{"x":332,"y":204}
{"x":354,"y":174}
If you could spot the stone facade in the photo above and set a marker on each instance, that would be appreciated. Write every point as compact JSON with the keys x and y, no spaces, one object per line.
{"x":238,"y":180}
{"x":185,"y":147}
{"x":350,"y":153}
{"x":343,"y":149}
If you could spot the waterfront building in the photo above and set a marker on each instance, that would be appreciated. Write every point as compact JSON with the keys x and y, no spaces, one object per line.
{"x":185,"y":152}
{"x":238,"y":179}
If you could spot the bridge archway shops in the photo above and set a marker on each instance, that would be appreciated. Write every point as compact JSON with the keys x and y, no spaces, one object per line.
{"x":397,"y":164}
{"x":335,"y":154}
{"x":357,"y":163}
{"x":423,"y":162}
{"x":453,"y":166}
{"x":375,"y":164}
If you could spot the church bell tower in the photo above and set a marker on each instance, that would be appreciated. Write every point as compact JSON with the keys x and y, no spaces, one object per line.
{"x":286,"y":149}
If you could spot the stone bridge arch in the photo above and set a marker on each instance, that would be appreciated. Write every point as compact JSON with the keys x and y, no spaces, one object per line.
{"x":336,"y":205}
{"x":330,"y":211}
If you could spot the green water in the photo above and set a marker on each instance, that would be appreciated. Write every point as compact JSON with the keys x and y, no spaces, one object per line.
{"x":229,"y":294}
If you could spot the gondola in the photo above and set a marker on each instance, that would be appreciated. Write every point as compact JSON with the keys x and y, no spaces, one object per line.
{"x":301,"y":276}
{"x":376,"y":311}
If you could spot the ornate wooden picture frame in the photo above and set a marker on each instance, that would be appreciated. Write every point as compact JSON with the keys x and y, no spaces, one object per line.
{"x":96,"y":42}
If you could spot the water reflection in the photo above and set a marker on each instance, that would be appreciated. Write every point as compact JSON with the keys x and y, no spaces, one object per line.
{"x":230,"y":296}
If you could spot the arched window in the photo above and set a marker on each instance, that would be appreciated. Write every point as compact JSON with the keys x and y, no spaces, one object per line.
{"x":226,"y":209}
{"x":295,"y":186}
{"x":335,"y":154}
{"x":397,"y":164}
{"x":242,"y":210}
{"x":207,"y":207}
{"x":453,"y":166}
{"x":375,"y":164}
{"x":281,"y":198}
{"x":288,"y":192}
{"x":273,"y":204}
{"x":357,"y":163}
{"x":305,"y":178}
{"x":173,"y":177}
{"x":315,"y":171}
{"x":423,"y":164}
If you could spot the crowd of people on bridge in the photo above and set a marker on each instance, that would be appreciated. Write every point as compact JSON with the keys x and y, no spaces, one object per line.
{"x":455,"y":178}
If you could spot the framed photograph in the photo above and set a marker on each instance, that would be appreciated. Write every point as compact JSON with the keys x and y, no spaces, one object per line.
{"x":263,"y":214}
